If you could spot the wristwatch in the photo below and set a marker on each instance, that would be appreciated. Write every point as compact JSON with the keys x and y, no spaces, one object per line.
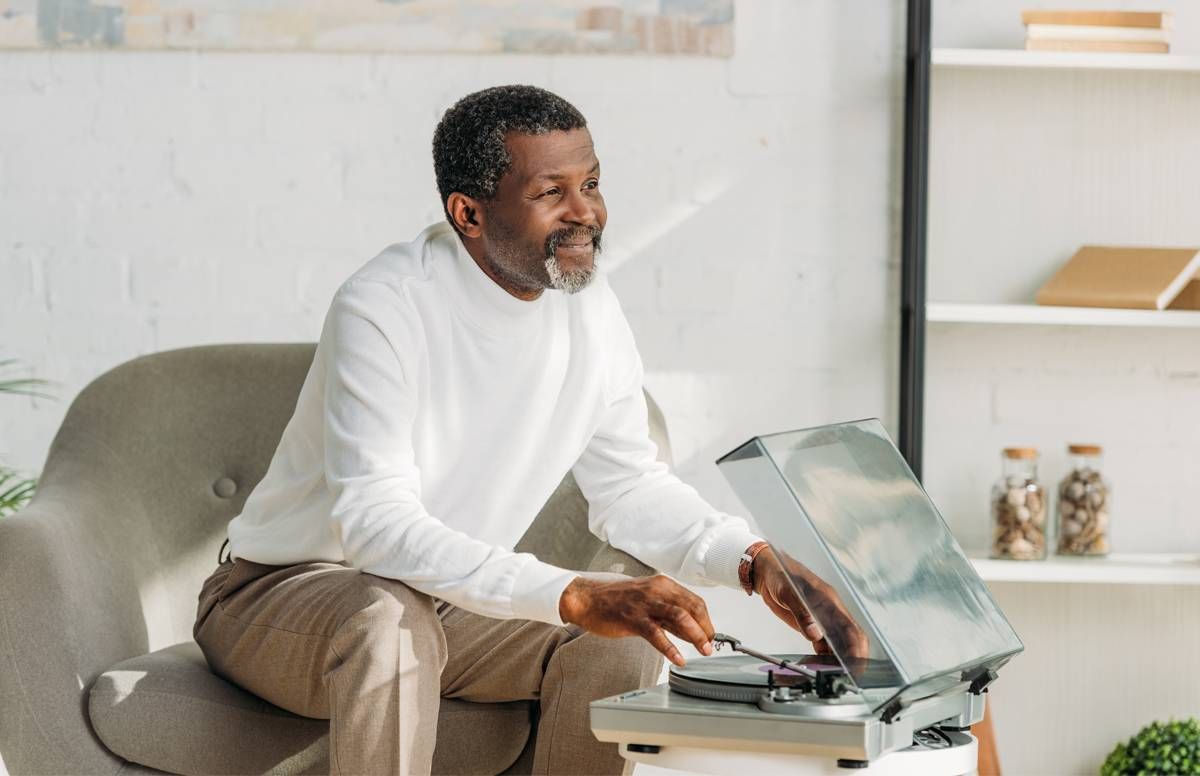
{"x":746,"y":566}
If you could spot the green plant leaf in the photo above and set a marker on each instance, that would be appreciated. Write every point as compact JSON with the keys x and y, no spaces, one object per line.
{"x":22,"y":385}
{"x":15,"y":490}
{"x":1158,"y":749}
{"x":17,"y":494}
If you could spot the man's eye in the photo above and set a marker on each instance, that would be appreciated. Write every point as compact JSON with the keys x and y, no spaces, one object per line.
{"x":592,"y":184}
{"x":550,"y":192}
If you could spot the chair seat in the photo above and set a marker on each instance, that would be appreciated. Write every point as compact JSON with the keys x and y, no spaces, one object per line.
{"x":168,"y":711}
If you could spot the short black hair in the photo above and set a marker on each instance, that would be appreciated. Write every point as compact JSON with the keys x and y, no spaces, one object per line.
{"x":469,"y":155}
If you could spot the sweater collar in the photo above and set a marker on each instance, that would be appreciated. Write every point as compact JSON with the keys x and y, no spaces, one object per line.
{"x":480,"y":298}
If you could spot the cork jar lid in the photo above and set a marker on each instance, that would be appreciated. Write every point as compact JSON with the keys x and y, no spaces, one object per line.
{"x":1084,"y":449}
{"x":1020,"y":452}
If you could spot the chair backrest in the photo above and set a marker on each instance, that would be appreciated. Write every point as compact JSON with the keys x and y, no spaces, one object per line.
{"x":106,"y":561}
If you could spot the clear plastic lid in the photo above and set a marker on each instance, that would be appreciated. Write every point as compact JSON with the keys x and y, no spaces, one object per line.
{"x":901,"y":606}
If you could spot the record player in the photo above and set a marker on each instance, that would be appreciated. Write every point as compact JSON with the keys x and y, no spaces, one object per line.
{"x":839,"y":502}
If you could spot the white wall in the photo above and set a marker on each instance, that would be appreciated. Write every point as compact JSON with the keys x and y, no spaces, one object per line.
{"x":157,"y":200}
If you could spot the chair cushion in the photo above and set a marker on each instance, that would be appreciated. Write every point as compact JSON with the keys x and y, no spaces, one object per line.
{"x":167,"y":710}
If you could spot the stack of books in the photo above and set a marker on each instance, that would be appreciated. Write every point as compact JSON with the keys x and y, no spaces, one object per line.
{"x":1143,"y":32}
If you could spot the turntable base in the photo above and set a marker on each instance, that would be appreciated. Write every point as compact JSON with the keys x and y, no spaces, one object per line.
{"x":959,"y":759}
{"x":732,"y":716}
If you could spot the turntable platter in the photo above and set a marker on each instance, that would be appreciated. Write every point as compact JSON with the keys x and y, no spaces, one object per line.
{"x":744,"y":679}
{"x":738,"y":678}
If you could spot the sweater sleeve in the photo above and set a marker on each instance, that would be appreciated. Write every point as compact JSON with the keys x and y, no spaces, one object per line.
{"x":372,"y":354}
{"x":636,"y":504}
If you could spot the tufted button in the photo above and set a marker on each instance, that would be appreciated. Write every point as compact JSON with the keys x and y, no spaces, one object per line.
{"x":224,"y":487}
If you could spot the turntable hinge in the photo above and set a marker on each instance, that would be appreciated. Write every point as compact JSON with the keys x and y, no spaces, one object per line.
{"x":891,"y":712}
{"x":981,"y":680}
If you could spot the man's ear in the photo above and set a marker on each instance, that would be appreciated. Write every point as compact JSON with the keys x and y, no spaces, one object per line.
{"x":466,"y":213}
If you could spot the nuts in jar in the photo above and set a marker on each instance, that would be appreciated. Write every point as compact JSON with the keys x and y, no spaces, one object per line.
{"x":1019,"y":508}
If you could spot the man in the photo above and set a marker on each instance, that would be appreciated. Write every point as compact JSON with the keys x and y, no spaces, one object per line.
{"x":371,"y":570}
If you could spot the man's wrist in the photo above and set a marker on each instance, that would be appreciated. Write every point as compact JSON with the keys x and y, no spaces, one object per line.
{"x":747,"y":568}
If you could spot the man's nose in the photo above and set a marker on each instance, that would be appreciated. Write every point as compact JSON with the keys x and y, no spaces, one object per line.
{"x":579,"y":210}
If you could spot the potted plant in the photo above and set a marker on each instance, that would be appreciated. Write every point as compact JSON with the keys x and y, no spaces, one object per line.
{"x":15,"y":489}
{"x":1170,"y":749}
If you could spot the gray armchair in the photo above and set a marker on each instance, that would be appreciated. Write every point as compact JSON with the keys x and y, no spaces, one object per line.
{"x":100,"y":573}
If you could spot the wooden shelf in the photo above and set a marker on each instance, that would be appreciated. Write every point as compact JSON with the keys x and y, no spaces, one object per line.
{"x":1036,"y":315}
{"x":1120,"y":569}
{"x":1070,"y":60}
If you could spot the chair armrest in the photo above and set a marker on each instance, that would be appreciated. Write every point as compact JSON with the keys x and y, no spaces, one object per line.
{"x":609,"y":558}
{"x":69,"y":609}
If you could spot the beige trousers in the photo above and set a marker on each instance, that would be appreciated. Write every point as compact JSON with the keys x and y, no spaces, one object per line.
{"x":375,"y":656}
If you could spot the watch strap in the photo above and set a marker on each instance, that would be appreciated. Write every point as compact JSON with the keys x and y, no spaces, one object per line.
{"x":746,"y":566}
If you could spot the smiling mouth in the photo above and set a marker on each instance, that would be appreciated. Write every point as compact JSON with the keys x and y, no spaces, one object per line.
{"x":579,"y":244}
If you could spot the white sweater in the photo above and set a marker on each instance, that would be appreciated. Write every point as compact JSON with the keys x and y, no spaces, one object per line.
{"x":439,"y":414}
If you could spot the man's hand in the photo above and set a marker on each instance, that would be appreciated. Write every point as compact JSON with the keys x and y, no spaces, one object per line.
{"x":649,"y":607}
{"x":771,"y":582}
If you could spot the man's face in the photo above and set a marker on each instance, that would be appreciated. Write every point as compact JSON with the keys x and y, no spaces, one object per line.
{"x":542,"y":229}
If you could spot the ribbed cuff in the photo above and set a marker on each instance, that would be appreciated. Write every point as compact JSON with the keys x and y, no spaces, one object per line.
{"x":537,"y":592}
{"x":725,"y":554}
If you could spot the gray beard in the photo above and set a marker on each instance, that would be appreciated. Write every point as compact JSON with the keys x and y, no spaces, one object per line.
{"x":506,"y":262}
{"x":569,"y":282}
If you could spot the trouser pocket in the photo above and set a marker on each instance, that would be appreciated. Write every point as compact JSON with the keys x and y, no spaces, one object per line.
{"x":211,"y":592}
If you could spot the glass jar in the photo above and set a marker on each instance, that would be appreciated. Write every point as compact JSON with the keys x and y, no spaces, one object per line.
{"x":1083,"y":505}
{"x":1019,"y":508}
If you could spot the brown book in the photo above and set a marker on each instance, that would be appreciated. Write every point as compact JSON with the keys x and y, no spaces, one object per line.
{"x":1188,"y":299}
{"x":1128,"y":46}
{"x":1083,"y":32}
{"x":1106,"y":276}
{"x":1158,"y":19}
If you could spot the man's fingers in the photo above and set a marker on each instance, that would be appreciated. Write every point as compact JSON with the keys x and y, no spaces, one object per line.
{"x":851,"y":635}
{"x":699,"y":611}
{"x":808,"y":624}
{"x":658,"y":639}
{"x":681,"y":622}
{"x":686,"y":615}
{"x":805,"y":622}
{"x":860,"y":646}
{"x":781,"y":611}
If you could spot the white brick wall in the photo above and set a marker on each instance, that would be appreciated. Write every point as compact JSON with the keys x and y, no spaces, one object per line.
{"x":154,"y":200}
{"x":158,"y":200}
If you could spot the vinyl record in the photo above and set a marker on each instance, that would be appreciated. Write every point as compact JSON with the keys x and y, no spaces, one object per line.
{"x":743,"y":670}
{"x":738,"y":678}
{"x":742,"y":677}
